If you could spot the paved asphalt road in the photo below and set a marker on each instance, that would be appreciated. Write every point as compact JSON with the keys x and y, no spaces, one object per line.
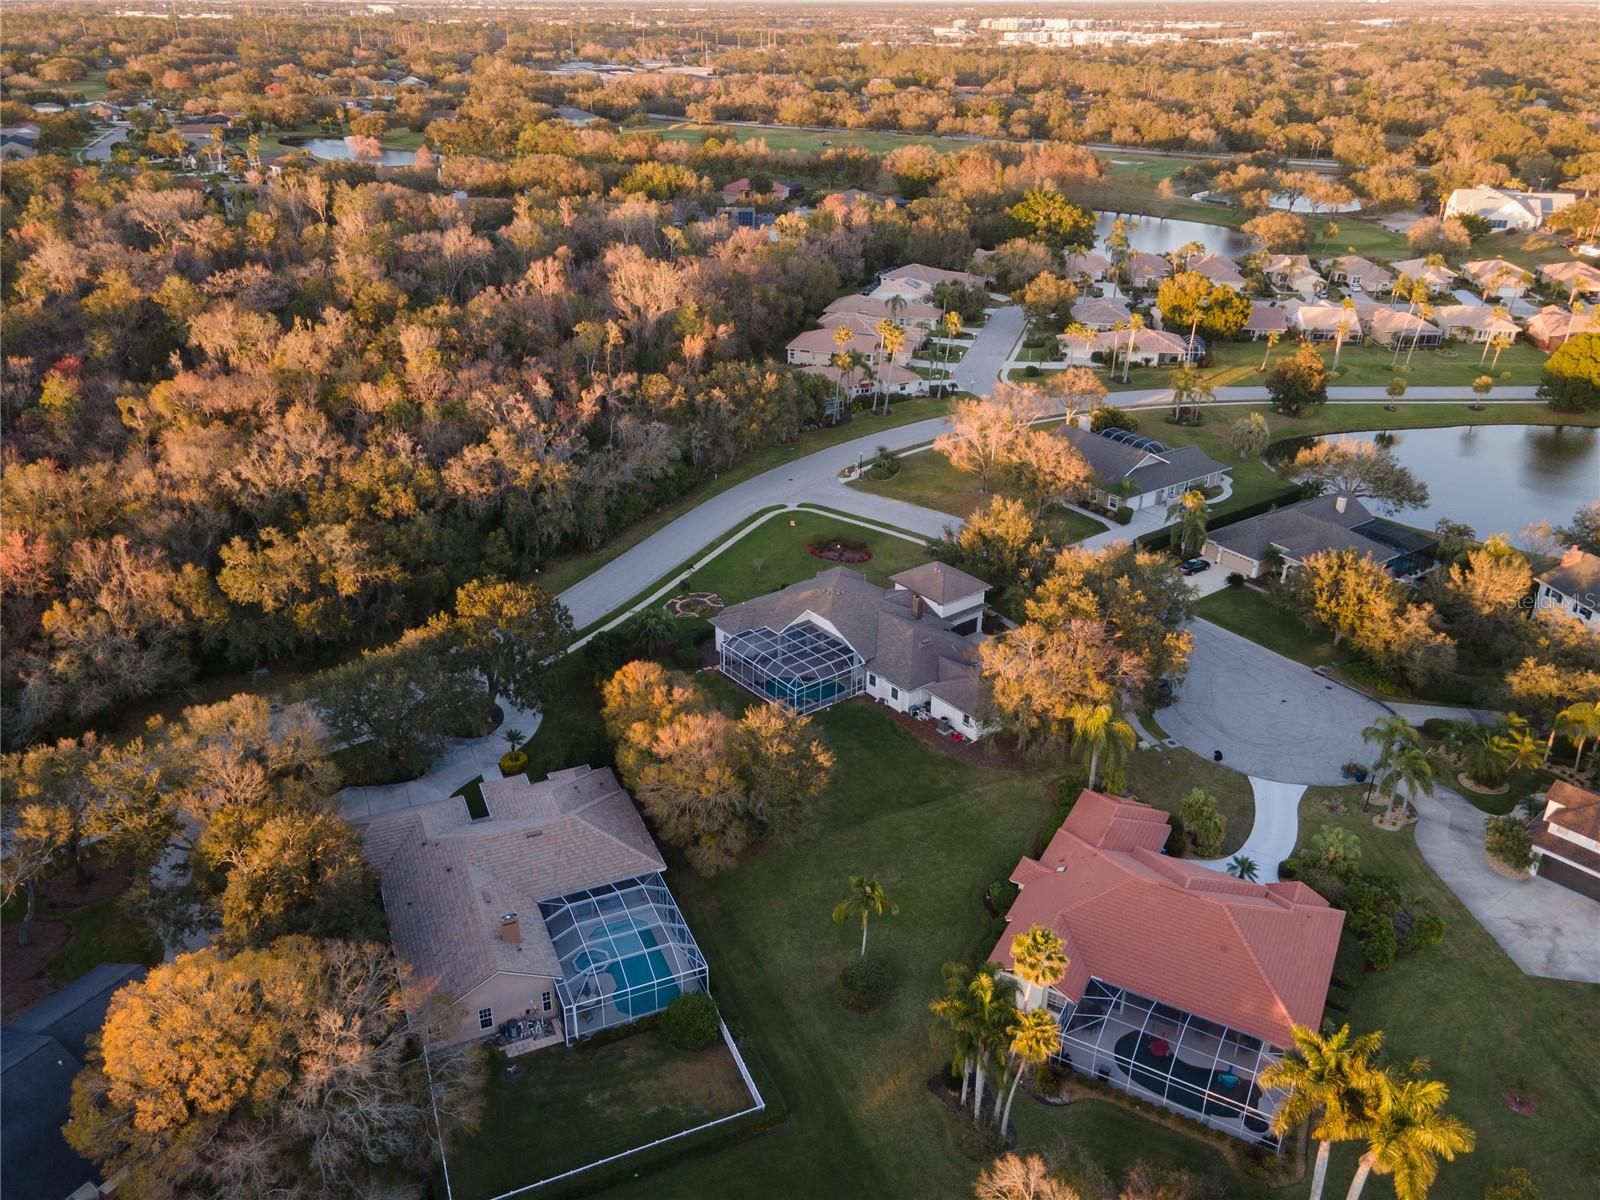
{"x":1271,"y":717}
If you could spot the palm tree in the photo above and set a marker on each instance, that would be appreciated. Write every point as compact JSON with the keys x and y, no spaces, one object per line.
{"x":991,"y":1009}
{"x":952,"y":329}
{"x":1272,"y":340}
{"x":1346,"y":323}
{"x":1426,"y":314}
{"x":1396,"y":388}
{"x":1191,"y":512}
{"x":1407,"y":1134}
{"x":1189,"y":389}
{"x":1482,"y":386}
{"x":894,"y":340}
{"x":1392,"y":736}
{"x":1580,"y":722}
{"x":1327,"y":1077}
{"x":1035,"y":1036}
{"x":866,"y":899}
{"x":1520,"y":747}
{"x":1039,"y":958}
{"x":1099,"y":729}
{"x":1242,"y":866}
{"x":1079,"y":333}
{"x":1501,"y":341}
{"x":1413,"y":770}
{"x":1135,"y":324}
{"x":953,"y":1010}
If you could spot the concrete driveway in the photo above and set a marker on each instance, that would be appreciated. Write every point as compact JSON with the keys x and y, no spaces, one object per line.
{"x":1271,"y":718}
{"x":990,"y":351}
{"x":1546,"y":929}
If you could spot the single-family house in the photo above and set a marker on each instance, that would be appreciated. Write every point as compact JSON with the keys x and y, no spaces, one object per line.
{"x":1437,"y":277}
{"x":1357,"y":274}
{"x":1497,"y":278}
{"x":1572,"y":588}
{"x":1551,"y":327}
{"x":818,"y":346}
{"x":823,"y":640}
{"x":549,"y":913}
{"x":1566,"y":838}
{"x":1265,"y":319}
{"x":918,"y":282}
{"x":878,"y":379}
{"x":1183,"y":983}
{"x":19,"y":141}
{"x":1218,"y":270}
{"x":1386,"y":325}
{"x":1143,"y":347}
{"x":1147,"y":270}
{"x":1291,"y":534}
{"x":41,"y":1051}
{"x":1293,"y":273}
{"x":1097,"y":314}
{"x":1506,"y":209}
{"x":1321,"y":322}
{"x":1575,"y":278}
{"x":1133,"y":471}
{"x":740,"y":188}
{"x":1473,"y":323}
{"x":1086,"y":265}
{"x":862,"y":323}
{"x":910,"y":314}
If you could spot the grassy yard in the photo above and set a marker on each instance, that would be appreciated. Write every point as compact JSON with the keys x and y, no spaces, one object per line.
{"x":1525,"y":249}
{"x":1485,"y":1026}
{"x":1237,"y":364}
{"x":1251,"y":613}
{"x":104,"y":932}
{"x":566,"y":1108}
{"x":810,"y":141}
{"x":928,"y":479}
{"x":1163,"y":777}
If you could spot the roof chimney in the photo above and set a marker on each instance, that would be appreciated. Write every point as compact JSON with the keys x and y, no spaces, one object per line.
{"x":916,"y":606}
{"x":1340,"y":502}
{"x":510,"y":928}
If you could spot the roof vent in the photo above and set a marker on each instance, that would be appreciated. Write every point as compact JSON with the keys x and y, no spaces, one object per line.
{"x":1341,"y":502}
{"x":532,"y":833}
{"x":1061,"y":869}
{"x":510,"y":928}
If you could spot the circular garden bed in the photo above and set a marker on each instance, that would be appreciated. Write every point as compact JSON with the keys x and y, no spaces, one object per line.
{"x":840,"y":550}
{"x":694,"y":604}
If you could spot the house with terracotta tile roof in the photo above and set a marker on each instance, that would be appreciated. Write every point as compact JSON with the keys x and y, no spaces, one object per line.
{"x":1358,"y":274}
{"x":1386,"y":325}
{"x":1566,"y":837}
{"x":1293,"y":273}
{"x":1098,"y":314}
{"x":1551,"y":327}
{"x":1497,"y":278}
{"x":549,"y":911}
{"x":1086,"y":265}
{"x":1439,"y":278}
{"x":907,"y":313}
{"x":914,"y":281}
{"x":1473,"y":323}
{"x":1265,"y":319}
{"x":863,"y":323}
{"x":1144,"y":347}
{"x":1218,"y":270}
{"x":1575,"y":278}
{"x":1183,"y":983}
{"x":910,"y":646}
{"x":1147,"y":270}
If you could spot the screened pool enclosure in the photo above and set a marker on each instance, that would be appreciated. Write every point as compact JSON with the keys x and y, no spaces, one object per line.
{"x":625,"y":952}
{"x":1203,"y":1070}
{"x":804,"y":666}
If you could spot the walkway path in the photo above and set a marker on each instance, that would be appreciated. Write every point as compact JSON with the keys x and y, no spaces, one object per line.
{"x":1546,"y":929}
{"x":1276,"y":829}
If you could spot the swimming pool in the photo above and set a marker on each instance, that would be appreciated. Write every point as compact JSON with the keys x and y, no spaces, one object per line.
{"x":641,"y":976}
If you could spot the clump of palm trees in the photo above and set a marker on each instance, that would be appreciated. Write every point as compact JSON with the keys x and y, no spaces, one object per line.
{"x":995,"y":1024}
{"x":1333,"y":1082}
{"x":1405,"y":767}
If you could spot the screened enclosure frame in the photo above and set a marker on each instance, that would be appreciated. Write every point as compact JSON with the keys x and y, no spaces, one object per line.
{"x":1213,"y":1050}
{"x":803,"y":666}
{"x":629,"y":935}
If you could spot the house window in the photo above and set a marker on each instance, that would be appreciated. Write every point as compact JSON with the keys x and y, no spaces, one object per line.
{"x":1585,"y":613}
{"x":872,"y":681}
{"x":966,"y":720}
{"x":894,"y":693}
{"x":545,"y":1001}
{"x":486,"y":1018}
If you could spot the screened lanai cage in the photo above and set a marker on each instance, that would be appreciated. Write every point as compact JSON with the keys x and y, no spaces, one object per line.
{"x":625,"y":952}
{"x":1203,"y":1070}
{"x":804,"y":666}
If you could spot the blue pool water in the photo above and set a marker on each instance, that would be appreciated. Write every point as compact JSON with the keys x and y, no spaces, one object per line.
{"x":642,"y":967}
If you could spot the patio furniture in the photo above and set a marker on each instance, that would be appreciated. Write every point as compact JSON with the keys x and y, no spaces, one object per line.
{"x":1228,"y":1080}
{"x":1160,"y":1047}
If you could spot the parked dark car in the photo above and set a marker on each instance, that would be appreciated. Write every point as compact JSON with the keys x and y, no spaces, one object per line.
{"x":1193,"y":566}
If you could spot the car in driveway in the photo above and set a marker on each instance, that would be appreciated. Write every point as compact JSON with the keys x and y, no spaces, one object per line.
{"x":1193,"y":566}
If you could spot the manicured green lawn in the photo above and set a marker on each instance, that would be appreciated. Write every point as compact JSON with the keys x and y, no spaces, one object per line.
{"x":809,"y":141}
{"x":928,"y":479}
{"x":1236,"y":364}
{"x":1485,"y":1026}
{"x":471,"y":793}
{"x":1525,"y":249}
{"x":1163,"y":777}
{"x":1252,"y":614}
{"x":566,"y":1108}
{"x":774,"y":555}
{"x":101,"y":933}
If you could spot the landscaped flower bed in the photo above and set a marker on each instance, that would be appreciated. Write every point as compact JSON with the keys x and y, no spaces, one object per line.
{"x":840,"y":550}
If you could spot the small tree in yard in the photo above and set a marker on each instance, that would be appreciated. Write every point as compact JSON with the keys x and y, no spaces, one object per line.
{"x":1242,"y":866}
{"x":1035,"y":1036}
{"x":1013,"y":1178}
{"x":1250,"y":435}
{"x":1099,"y":731}
{"x":1506,"y":839}
{"x":1190,"y":512}
{"x":866,"y":900}
{"x":507,"y":633}
{"x":1299,"y":381}
{"x":690,"y":1021}
{"x":1203,"y":822}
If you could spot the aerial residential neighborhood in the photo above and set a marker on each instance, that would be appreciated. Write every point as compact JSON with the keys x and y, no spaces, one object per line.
{"x":689,"y":601}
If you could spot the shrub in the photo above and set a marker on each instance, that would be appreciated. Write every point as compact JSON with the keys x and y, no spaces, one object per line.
{"x":513,"y":762}
{"x":1031,"y":371}
{"x":1512,"y":1183}
{"x":690,"y":1021}
{"x":1379,"y":680}
{"x":1439,"y":728}
{"x":686,"y":655}
{"x":1204,"y":821}
{"x":1114,"y":780}
{"x":865,"y":983}
{"x":1002,"y":894}
{"x":1506,"y":839}
{"x":1123,"y":515}
{"x":1235,"y":579}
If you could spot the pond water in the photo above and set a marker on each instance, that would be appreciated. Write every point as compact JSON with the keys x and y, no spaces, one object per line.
{"x":1500,"y":478}
{"x":336,"y":149}
{"x":1160,"y":235}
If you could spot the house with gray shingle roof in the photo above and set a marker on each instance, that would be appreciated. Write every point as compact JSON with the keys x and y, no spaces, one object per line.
{"x":1295,"y":532}
{"x":1572,"y":587}
{"x":549,"y":911}
{"x":1132,"y":471}
{"x":817,"y":642}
